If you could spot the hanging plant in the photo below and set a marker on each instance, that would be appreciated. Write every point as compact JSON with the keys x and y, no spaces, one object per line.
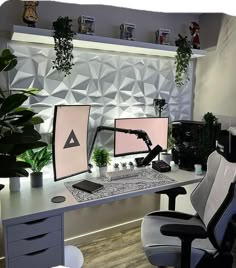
{"x":182,"y":58}
{"x":63,"y":45}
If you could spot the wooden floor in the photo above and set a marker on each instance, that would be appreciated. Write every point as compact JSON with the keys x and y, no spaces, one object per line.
{"x":121,"y":250}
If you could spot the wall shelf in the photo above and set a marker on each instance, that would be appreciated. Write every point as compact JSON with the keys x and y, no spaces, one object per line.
{"x":43,"y":36}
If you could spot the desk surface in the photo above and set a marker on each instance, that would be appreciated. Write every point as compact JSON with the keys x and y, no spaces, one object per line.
{"x":29,"y":202}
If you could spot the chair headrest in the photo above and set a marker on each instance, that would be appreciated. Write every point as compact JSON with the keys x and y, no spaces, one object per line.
{"x":226,"y":144}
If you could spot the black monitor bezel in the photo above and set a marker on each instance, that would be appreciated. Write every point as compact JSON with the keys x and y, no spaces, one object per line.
{"x":53,"y":144}
{"x":139,"y":152}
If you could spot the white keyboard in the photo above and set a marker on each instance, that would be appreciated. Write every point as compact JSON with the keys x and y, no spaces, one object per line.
{"x":124,"y":174}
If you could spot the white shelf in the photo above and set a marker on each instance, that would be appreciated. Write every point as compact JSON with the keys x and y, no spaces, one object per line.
{"x":43,"y":36}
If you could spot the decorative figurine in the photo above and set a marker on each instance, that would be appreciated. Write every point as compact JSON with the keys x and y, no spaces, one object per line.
{"x":30,"y":16}
{"x":86,"y":25}
{"x":127,"y":31}
{"x":162,"y":36}
{"x":195,"y":35}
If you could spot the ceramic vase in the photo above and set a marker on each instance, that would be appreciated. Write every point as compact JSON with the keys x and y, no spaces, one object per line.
{"x":103,"y":171}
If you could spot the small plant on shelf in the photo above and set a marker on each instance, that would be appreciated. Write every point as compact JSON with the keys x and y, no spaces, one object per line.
{"x":182,"y":58}
{"x":63,"y":45}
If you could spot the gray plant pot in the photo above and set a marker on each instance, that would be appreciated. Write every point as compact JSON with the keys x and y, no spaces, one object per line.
{"x":36,"y":179}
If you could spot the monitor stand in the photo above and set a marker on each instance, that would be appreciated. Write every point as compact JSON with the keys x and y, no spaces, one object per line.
{"x":58,"y":199}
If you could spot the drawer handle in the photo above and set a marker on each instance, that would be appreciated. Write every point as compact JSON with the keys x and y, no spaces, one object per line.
{"x":36,"y":221}
{"x":36,"y":252}
{"x":35,"y":237}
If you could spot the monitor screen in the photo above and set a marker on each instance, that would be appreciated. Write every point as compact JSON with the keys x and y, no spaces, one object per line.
{"x":70,"y":132}
{"x":155,"y":127}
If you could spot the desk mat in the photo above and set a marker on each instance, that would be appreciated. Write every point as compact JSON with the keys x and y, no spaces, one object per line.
{"x":148,"y":178}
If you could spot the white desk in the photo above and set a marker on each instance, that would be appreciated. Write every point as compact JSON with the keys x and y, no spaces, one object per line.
{"x":29,"y":214}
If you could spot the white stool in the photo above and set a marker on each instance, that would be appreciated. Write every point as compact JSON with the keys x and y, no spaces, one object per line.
{"x":73,"y":257}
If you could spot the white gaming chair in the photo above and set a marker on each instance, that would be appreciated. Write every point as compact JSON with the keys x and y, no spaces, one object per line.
{"x":204,"y":240}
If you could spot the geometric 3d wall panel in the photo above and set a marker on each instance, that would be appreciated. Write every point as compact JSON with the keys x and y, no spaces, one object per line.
{"x":114,"y":84}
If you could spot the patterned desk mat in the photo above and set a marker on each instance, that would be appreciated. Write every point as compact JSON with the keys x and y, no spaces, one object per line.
{"x":148,"y":178}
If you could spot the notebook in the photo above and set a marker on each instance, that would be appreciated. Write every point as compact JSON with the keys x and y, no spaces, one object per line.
{"x":88,"y":186}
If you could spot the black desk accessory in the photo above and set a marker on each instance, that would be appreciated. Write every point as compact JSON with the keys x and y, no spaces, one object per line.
{"x":88,"y":186}
{"x":58,"y":199}
{"x":161,"y":166}
{"x":139,"y":161}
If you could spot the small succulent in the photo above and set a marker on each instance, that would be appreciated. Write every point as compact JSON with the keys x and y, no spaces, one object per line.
{"x":116,"y":165}
{"x":124,"y":164}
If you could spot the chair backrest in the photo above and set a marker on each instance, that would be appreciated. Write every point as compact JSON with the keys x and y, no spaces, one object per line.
{"x":214,"y":198}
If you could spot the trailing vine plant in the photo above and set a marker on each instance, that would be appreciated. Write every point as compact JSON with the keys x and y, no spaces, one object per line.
{"x":182,"y":58}
{"x":63,"y":45}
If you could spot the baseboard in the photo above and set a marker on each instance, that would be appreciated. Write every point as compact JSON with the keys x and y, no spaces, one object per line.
{"x":89,"y":237}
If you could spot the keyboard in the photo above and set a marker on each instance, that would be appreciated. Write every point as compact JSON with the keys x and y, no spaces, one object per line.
{"x":124,"y":174}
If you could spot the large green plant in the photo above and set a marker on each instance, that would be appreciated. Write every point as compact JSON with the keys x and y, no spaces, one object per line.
{"x":63,"y":45}
{"x":101,"y":157}
{"x":17,"y":133}
{"x":182,"y":58}
{"x":37,"y":158}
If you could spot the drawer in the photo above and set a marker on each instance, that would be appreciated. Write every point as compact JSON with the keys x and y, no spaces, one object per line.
{"x":33,"y":228}
{"x":35,"y":243}
{"x":46,"y":258}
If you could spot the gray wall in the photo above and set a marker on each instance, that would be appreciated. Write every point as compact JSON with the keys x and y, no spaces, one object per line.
{"x":215,"y":75}
{"x":116,"y":85}
{"x":210,"y":25}
{"x":107,"y":18}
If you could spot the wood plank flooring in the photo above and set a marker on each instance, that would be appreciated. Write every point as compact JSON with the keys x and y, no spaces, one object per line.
{"x":121,"y":250}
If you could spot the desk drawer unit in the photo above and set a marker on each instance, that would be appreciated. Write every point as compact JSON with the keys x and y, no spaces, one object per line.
{"x":36,"y":243}
{"x":46,"y":258}
{"x":33,"y":228}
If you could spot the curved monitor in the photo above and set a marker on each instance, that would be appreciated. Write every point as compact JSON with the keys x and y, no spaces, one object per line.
{"x":155,"y":127}
{"x":70,"y":131}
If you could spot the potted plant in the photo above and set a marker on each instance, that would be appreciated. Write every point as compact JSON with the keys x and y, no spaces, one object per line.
{"x":37,"y":160}
{"x":182,"y":58}
{"x":167,"y":156}
{"x":63,"y":45}
{"x":17,"y":133}
{"x":116,"y":166}
{"x":131,"y":165}
{"x":124,"y":165}
{"x":102,"y":158}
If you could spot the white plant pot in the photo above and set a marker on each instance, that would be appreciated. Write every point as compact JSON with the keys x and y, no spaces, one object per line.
{"x":14,"y":184}
{"x":103,"y":171}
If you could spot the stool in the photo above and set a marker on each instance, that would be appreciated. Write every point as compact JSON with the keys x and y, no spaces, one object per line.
{"x":73,"y":257}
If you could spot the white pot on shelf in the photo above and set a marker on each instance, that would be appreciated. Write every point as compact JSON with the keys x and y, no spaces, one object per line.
{"x":14,"y":184}
{"x":103,"y":171}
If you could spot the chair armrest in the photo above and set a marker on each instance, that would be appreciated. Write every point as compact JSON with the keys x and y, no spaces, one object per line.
{"x":188,"y":232}
{"x":172,"y":194}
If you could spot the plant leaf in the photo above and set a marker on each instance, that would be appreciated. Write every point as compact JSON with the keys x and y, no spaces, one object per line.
{"x":11,"y":103}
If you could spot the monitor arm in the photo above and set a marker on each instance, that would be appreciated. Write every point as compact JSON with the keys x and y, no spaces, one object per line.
{"x":138,"y":132}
